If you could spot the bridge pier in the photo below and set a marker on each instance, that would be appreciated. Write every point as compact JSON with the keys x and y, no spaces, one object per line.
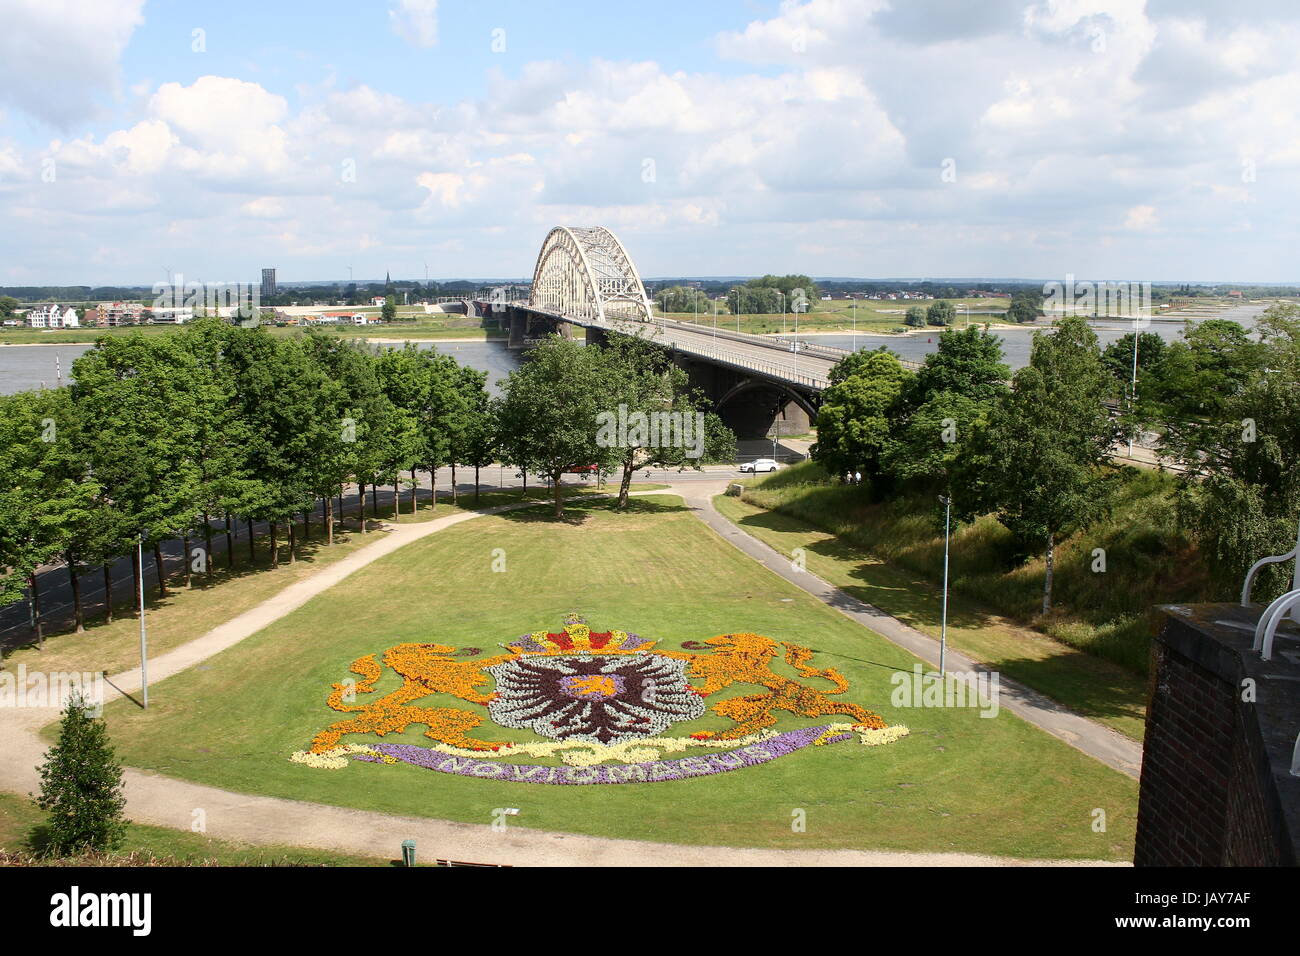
{"x":518,"y":322}
{"x":751,"y":406}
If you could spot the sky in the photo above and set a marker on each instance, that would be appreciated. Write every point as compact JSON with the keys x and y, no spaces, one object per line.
{"x":1147,"y":140}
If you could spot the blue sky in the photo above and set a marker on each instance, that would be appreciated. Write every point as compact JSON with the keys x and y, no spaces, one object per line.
{"x":1111,"y":139}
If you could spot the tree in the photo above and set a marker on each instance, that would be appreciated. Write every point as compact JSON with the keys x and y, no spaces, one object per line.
{"x":141,"y":399}
{"x":1200,"y":374}
{"x":1038,"y":463}
{"x":656,"y":418}
{"x":81,"y":786}
{"x":854,"y":423}
{"x":968,"y":362}
{"x":1241,"y":484}
{"x":941,"y":312}
{"x":548,"y":412}
{"x":1118,"y":357}
{"x":915,"y":317}
{"x":389,"y":312}
{"x":1026,"y":306}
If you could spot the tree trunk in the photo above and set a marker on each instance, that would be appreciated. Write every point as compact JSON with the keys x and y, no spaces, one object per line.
{"x":624,"y":486}
{"x":397,"y":498}
{"x":341,"y":515}
{"x":275,"y":545}
{"x":1047,"y":578}
{"x":207,"y":540}
{"x":108,"y":593}
{"x":374,"y":501}
{"x":415,"y":486}
{"x":433,"y":489}
{"x":158,"y":566}
{"x":361,"y":504}
{"x":476,"y":489}
{"x":293,"y":541}
{"x":77,"y":613}
{"x":252,"y":552}
{"x":230,"y":543}
{"x":326,"y":513}
{"x":185,"y":555}
{"x":36,"y":610}
{"x":453,"y":482}
{"x":559,"y":500}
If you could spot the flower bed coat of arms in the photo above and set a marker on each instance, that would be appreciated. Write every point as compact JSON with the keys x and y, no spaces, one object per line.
{"x":601,"y":702}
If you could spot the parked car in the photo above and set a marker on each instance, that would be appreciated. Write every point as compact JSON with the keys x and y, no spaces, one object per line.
{"x":583,"y":469}
{"x":760,"y":464}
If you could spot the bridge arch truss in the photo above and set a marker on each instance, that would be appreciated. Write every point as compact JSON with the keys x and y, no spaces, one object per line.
{"x":585,"y":273}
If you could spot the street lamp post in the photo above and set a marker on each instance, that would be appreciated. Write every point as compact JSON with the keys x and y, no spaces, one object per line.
{"x":1132,"y":392}
{"x":943,"y":625}
{"x":144,"y":640}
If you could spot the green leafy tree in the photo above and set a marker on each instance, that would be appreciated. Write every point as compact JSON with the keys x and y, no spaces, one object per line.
{"x":1241,"y":485}
{"x":941,"y":312}
{"x":142,"y":399}
{"x":855,"y":421}
{"x":1026,"y":306}
{"x":81,"y":786}
{"x":915,"y":317}
{"x":389,"y":311}
{"x":1038,"y":463}
{"x":646,"y":386}
{"x":548,"y":412}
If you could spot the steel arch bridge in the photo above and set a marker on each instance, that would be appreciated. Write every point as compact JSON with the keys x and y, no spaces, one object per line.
{"x":585,"y":273}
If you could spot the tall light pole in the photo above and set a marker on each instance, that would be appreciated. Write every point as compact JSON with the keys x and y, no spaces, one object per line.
{"x":1132,"y":391}
{"x":943,"y":625}
{"x":144,"y":640}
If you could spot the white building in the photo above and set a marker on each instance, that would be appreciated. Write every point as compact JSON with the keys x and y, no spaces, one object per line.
{"x":52,"y":317}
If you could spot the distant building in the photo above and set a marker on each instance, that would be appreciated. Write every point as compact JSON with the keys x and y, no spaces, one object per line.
{"x":52,"y":317}
{"x":178,"y":316}
{"x":120,"y":313}
{"x":356,"y":318}
{"x":268,"y":283}
{"x":378,"y":300}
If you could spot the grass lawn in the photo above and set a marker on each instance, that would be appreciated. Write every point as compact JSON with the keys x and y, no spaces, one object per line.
{"x":187,"y":613}
{"x":19,"y":818}
{"x":958,"y":783}
{"x":872,"y":315}
{"x":1093,"y":687}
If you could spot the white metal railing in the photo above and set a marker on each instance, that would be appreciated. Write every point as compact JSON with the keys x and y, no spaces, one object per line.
{"x":1292,"y":555}
{"x":1273,"y":615}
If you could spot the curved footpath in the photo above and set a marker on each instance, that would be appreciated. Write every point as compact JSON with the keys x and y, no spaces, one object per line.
{"x":258,"y":820}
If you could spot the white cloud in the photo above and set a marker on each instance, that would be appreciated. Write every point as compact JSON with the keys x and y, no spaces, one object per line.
{"x":60,"y":57}
{"x":415,"y":21}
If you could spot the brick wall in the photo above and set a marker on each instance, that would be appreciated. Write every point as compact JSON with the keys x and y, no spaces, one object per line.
{"x":1214,"y":791}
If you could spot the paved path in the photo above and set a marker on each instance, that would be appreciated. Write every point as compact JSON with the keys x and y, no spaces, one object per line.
{"x":259,"y":820}
{"x":1096,"y":740}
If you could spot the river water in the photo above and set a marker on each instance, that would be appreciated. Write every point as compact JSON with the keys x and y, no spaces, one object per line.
{"x":30,"y":366}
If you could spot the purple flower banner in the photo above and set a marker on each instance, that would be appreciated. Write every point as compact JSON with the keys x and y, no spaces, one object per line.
{"x":649,"y":772}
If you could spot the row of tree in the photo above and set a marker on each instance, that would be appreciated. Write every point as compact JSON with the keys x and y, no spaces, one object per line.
{"x":1035,"y":449}
{"x":184,"y":436}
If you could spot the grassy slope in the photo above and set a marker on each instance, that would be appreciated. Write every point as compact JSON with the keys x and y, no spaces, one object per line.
{"x":1148,"y":561}
{"x":1093,"y":687}
{"x":959,"y":783}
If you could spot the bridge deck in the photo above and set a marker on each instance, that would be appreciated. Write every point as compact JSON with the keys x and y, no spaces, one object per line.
{"x":803,"y":364}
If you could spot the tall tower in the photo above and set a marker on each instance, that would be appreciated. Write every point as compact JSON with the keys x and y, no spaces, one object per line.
{"x":268,"y":283}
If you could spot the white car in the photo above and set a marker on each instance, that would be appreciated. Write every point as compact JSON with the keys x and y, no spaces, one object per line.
{"x":760,"y":464}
